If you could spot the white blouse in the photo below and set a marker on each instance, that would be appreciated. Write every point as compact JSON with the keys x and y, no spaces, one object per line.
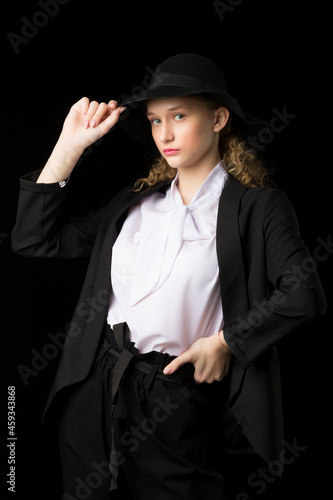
{"x":164,"y":271}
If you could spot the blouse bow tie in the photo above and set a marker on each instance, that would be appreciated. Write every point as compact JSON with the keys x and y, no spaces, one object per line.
{"x":159,"y":245}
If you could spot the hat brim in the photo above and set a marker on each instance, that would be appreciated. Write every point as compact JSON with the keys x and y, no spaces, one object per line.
{"x":136,"y":124}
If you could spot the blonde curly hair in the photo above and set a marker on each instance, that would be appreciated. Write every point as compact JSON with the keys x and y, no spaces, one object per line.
{"x":240,"y":160}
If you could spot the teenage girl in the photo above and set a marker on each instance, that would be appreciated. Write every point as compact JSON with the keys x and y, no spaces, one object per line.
{"x":170,"y":356}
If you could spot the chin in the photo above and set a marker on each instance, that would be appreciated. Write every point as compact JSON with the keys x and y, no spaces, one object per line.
{"x":175,"y":163}
{"x":171,"y":162}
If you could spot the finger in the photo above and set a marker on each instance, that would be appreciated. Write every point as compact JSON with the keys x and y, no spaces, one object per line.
{"x":84,"y":103}
{"x":113,"y":104}
{"x":100,"y":114}
{"x":181,"y":360}
{"x":93,"y":106}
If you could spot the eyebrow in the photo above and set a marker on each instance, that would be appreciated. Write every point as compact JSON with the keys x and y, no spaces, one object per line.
{"x":173,"y":108}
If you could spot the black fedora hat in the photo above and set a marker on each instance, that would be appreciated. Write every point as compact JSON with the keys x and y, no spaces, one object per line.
{"x":184,"y":75}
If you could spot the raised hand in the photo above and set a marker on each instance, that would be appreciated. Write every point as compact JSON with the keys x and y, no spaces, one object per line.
{"x":89,"y":121}
{"x":85,"y":123}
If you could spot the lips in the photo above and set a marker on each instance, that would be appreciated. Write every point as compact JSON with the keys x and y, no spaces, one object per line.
{"x":170,"y":151}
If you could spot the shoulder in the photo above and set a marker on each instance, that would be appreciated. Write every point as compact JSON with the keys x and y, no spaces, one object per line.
{"x":270,"y":210}
{"x":259,"y":204}
{"x":266,"y":199}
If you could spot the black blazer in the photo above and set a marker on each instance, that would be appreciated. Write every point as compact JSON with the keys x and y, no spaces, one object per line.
{"x":264,"y":294}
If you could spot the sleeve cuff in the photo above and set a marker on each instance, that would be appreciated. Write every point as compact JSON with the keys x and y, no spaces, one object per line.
{"x":229,"y":338}
{"x":29,"y":183}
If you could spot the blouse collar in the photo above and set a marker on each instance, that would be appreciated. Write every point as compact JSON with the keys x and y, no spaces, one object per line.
{"x":210,"y":188}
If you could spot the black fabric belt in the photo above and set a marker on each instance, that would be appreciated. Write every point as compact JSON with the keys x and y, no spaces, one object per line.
{"x":184,"y":379}
{"x":118,"y":344}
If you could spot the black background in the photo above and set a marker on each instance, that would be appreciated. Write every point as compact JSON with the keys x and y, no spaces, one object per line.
{"x":272,"y":54}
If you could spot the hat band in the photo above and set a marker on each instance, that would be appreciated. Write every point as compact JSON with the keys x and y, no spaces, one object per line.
{"x":177,"y":80}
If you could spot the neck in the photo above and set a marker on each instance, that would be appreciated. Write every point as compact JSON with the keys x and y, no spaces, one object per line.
{"x":190,"y":180}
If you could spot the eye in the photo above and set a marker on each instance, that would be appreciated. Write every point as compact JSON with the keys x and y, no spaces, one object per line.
{"x":178,"y":117}
{"x":155,"y":121}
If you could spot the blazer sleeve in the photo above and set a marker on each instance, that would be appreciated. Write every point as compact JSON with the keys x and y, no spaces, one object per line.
{"x":42,"y":229}
{"x":296,"y":294}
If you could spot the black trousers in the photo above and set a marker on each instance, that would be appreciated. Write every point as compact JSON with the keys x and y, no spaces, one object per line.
{"x":163,"y":442}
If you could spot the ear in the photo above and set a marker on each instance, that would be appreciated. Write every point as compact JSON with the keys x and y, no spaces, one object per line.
{"x":221,"y":116}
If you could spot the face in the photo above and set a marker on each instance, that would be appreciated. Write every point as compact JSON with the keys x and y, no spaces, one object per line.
{"x":186,"y":130}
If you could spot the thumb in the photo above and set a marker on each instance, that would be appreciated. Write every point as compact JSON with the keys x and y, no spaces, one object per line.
{"x":181,"y":360}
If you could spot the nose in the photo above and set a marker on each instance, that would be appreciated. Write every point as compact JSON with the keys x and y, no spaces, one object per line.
{"x":166,"y":133}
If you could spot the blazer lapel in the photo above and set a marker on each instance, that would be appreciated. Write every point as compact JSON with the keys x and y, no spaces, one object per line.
{"x":229,"y":251}
{"x":231,"y":264}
